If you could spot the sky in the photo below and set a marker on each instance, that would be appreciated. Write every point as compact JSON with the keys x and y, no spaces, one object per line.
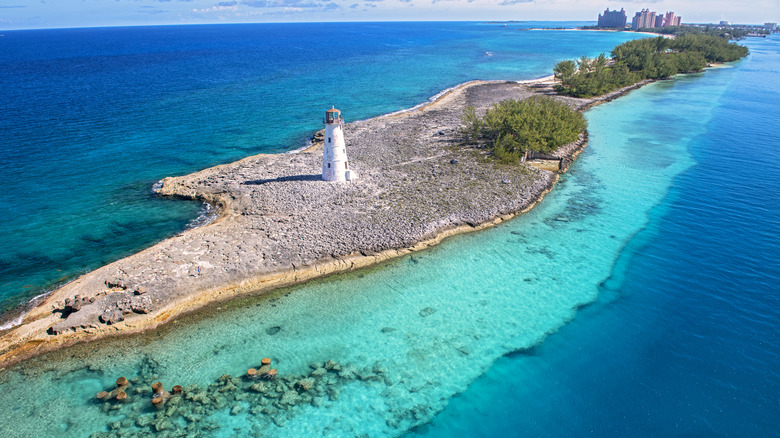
{"x":32,"y":14}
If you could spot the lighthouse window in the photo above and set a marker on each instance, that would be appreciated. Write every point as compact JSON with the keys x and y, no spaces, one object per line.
{"x":328,"y":139}
{"x":328,"y":165}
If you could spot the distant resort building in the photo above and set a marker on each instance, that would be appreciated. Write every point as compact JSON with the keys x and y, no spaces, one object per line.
{"x":647,"y":19}
{"x":613,"y":18}
{"x":643,"y":19}
{"x":671,"y":20}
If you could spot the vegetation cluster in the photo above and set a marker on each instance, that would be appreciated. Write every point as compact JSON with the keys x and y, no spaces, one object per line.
{"x":511,"y":128}
{"x":727,"y":32}
{"x":648,"y":58}
{"x":723,"y":31}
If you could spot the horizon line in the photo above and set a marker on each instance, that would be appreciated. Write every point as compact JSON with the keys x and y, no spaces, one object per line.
{"x":329,"y":22}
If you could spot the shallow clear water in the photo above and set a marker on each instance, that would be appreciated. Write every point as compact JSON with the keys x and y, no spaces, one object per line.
{"x":683,"y":339}
{"x":661,"y":230}
{"x":96,"y":116}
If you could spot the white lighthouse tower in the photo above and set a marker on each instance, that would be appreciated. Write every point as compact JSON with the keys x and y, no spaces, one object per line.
{"x":335,"y":166}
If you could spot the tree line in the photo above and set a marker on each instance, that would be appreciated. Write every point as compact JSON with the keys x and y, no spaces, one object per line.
{"x":723,"y":31}
{"x":647,"y":58}
{"x":510,"y":128}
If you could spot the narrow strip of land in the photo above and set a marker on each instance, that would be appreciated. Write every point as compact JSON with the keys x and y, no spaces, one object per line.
{"x":280,"y":224}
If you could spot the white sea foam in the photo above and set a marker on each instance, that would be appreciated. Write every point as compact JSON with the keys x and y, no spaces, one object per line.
{"x":12,"y":323}
{"x":307,"y":145}
{"x":432,"y":99}
{"x":157,"y":186}
{"x":27,"y":306}
{"x":207,"y":215}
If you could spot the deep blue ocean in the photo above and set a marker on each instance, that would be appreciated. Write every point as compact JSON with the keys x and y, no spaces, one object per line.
{"x":640,"y":298}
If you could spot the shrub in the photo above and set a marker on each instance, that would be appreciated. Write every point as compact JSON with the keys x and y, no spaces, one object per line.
{"x":511,"y":128}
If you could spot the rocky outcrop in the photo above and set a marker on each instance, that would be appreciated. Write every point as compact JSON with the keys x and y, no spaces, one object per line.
{"x":108,"y":309}
{"x":280,"y":224}
{"x":189,"y":410}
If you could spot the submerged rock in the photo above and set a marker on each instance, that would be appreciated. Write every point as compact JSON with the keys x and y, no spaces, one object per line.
{"x":259,"y":388}
{"x":290,"y":398}
{"x":304,"y":384}
{"x":144,"y":420}
{"x":428,"y":311}
{"x":183,"y":411}
{"x":348,"y":373}
{"x":331,"y":365}
{"x":162,"y":425}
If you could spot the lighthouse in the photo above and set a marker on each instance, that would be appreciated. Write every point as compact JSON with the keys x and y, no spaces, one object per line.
{"x":335,"y":166}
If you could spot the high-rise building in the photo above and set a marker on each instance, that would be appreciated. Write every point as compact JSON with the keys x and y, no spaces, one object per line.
{"x":643,"y":19}
{"x":659,"y":20}
{"x":671,"y":20}
{"x":613,"y":18}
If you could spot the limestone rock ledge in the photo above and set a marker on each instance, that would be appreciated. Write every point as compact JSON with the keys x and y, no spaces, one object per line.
{"x":280,"y":224}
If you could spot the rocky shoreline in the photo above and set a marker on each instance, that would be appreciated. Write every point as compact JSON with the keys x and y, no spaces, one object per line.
{"x":279,"y":224}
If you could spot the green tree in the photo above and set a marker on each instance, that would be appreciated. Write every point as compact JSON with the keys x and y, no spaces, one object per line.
{"x":648,"y":58}
{"x":510,"y":128}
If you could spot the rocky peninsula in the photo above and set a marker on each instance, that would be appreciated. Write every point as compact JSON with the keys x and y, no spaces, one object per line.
{"x":279,"y":224}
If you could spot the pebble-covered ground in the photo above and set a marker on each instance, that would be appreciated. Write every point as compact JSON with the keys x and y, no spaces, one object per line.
{"x":281,"y":224}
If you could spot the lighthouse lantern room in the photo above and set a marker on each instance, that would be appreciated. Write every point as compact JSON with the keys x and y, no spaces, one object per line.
{"x":335,"y":166}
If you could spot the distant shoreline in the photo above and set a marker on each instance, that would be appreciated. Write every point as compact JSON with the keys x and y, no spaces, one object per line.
{"x":631,"y":31}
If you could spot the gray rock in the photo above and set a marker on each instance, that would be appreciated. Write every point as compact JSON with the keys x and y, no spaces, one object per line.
{"x":76,"y":303}
{"x":112,"y":316}
{"x":141,"y":304}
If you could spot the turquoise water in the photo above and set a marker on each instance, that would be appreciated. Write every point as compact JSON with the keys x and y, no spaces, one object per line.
{"x":683,"y":338}
{"x":638,"y":298}
{"x":96,"y":116}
